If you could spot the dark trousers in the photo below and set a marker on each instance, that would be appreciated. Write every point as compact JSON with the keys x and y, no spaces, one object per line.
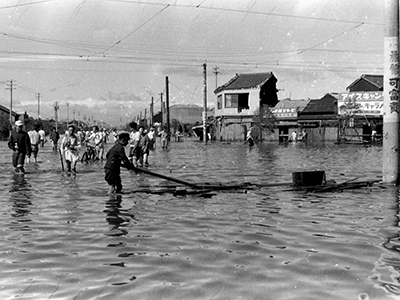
{"x":18,"y":159}
{"x":113,"y":178}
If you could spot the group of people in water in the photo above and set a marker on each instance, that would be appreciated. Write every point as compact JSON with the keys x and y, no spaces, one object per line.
{"x":296,"y":137}
{"x":25,"y":145}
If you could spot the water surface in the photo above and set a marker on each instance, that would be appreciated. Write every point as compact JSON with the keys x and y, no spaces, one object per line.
{"x":62,"y":237}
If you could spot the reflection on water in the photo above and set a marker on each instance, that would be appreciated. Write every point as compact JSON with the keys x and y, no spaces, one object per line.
{"x":20,"y":197}
{"x":62,"y":237}
{"x":386,"y":273}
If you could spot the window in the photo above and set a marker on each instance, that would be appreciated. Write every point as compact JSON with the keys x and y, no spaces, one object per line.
{"x":231,"y":100}
{"x":239,"y":101}
{"x":219,"y":102}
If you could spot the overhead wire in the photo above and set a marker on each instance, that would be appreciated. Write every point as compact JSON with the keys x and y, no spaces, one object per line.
{"x":167,"y":60}
{"x":323,"y":42}
{"x":136,"y":29}
{"x":24,"y":4}
{"x":247,"y":12}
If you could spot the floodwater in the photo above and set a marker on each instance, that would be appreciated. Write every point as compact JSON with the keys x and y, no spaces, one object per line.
{"x":62,"y":237}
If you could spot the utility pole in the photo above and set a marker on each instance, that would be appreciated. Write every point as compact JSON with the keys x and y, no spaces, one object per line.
{"x":167,"y":103}
{"x":391,"y":107}
{"x":73,"y":116}
{"x":67,"y":113}
{"x":151,"y":111}
{"x":56,"y":108}
{"x":38,"y":105}
{"x":216,"y":72}
{"x":11,"y":88}
{"x":162,"y":111}
{"x":205,"y":103}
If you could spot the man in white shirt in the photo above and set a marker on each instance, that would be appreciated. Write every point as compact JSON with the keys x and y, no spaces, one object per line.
{"x":35,"y":138}
{"x":42,"y":135}
{"x":96,"y":138}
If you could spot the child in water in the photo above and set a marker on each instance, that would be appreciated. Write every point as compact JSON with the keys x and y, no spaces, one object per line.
{"x":116,"y":158}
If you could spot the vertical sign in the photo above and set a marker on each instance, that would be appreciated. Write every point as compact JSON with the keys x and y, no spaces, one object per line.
{"x":391,"y":150}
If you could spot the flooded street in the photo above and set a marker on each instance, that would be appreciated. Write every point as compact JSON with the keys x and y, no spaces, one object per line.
{"x":62,"y":237}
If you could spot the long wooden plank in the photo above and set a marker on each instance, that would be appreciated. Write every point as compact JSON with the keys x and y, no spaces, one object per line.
{"x":167,"y":178}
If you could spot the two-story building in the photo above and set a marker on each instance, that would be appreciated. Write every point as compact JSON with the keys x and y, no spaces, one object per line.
{"x":238,"y":99}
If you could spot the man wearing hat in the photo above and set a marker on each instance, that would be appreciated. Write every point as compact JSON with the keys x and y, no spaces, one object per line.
{"x":20,"y":143}
{"x":116,"y":158}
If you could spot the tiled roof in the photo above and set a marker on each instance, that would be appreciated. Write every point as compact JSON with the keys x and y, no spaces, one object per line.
{"x":325,"y":105}
{"x":288,"y":103}
{"x":245,"y":81}
{"x":376,"y":80}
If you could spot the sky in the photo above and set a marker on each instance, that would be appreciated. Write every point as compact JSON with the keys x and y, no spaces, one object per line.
{"x":104,"y":60}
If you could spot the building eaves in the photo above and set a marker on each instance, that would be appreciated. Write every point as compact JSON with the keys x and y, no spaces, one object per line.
{"x":245,"y":81}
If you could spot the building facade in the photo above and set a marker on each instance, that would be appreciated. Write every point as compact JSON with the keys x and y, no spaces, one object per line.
{"x":360,"y":110}
{"x":238,"y":99}
{"x":286,"y":113}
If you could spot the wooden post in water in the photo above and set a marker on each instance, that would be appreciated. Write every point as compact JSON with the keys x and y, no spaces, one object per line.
{"x":391,"y":108}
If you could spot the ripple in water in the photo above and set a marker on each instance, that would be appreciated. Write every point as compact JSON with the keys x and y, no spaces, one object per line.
{"x":63,"y":238}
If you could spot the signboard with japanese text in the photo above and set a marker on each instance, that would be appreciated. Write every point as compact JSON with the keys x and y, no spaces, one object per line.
{"x":285,"y":112}
{"x":363,"y":103}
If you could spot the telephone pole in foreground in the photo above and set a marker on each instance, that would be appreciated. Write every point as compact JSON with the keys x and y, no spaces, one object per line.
{"x":391,"y":107}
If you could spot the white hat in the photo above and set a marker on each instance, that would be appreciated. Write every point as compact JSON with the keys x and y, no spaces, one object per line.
{"x":18,"y":123}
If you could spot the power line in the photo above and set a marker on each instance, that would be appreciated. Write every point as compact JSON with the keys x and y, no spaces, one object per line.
{"x":325,"y":41}
{"x":249,"y":12}
{"x":136,"y":29}
{"x":340,"y":66}
{"x":25,"y":4}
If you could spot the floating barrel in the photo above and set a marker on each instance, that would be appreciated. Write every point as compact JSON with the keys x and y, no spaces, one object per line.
{"x":308,"y":178}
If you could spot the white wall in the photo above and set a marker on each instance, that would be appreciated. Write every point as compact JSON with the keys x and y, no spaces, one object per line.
{"x":254,"y":102}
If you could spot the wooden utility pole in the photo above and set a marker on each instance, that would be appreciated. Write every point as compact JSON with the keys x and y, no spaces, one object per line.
{"x":391,"y":107}
{"x":38,"y":105}
{"x":167,"y":103}
{"x":151,"y":111}
{"x":11,"y":88}
{"x":205,"y":103}
{"x":67,"y":113}
{"x":162,"y":111}
{"x":56,"y":108}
